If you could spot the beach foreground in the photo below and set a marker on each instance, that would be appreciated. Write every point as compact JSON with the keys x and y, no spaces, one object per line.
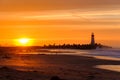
{"x":66,"y":67}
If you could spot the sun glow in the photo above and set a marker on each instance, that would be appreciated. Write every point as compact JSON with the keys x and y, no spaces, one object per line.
{"x":24,"y":42}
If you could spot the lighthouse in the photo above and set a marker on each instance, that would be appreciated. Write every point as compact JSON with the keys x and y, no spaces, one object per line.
{"x":92,"y":39}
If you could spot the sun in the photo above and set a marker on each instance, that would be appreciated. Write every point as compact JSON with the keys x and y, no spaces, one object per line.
{"x":24,"y":42}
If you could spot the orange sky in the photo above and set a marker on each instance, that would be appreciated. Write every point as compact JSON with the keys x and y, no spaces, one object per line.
{"x":60,"y":21}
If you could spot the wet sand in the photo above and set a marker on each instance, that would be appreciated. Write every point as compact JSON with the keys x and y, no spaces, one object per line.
{"x":67,"y":67}
{"x":109,"y":67}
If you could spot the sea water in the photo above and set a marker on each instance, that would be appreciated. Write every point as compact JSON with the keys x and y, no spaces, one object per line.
{"x":107,"y":54}
{"x":104,"y":54}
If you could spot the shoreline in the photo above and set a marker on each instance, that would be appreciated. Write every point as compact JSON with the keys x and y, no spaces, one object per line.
{"x":68,"y":67}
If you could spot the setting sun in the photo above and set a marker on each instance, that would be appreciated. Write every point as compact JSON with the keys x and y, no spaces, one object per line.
{"x":24,"y":42}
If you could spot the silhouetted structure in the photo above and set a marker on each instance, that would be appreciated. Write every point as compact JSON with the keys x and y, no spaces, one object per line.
{"x":71,"y":46}
{"x":92,"y":39}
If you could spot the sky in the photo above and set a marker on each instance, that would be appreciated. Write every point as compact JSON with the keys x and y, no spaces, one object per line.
{"x":60,"y":21}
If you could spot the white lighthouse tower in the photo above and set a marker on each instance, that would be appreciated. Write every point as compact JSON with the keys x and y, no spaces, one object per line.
{"x":92,"y":39}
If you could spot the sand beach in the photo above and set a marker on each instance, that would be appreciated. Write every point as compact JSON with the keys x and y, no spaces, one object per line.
{"x":45,"y":66}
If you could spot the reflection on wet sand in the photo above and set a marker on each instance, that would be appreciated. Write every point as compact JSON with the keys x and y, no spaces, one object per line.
{"x":109,"y":67}
{"x":21,"y":62}
{"x":107,"y":58}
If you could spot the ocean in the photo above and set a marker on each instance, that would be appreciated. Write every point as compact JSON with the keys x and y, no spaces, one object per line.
{"x":113,"y":53}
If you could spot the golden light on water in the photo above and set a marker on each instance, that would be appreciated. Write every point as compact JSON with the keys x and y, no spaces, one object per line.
{"x":24,"y":42}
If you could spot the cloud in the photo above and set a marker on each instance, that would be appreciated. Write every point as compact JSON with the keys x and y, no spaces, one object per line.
{"x":38,"y":5}
{"x":61,"y":17}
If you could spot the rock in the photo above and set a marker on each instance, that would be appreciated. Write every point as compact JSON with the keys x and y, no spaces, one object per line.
{"x":4,"y":68}
{"x":55,"y":78}
{"x":90,"y":77}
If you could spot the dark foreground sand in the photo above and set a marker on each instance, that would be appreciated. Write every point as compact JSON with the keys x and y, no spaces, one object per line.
{"x":43,"y":67}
